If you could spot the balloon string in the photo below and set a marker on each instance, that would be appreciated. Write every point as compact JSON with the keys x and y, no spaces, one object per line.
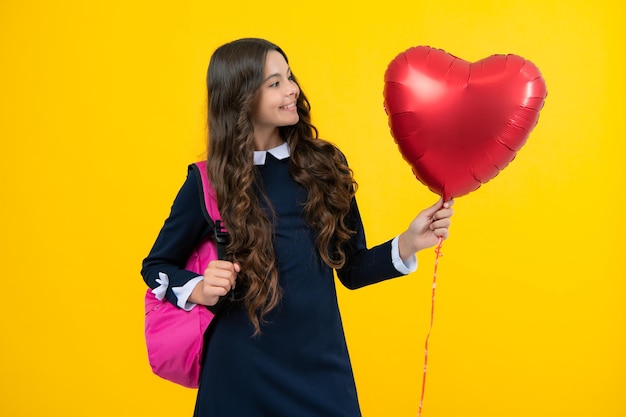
{"x":438,"y":255}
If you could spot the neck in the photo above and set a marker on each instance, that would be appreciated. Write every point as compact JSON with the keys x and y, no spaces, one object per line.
{"x":267,"y":140}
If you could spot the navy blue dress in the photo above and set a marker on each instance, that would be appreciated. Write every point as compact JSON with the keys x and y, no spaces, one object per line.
{"x":299,"y":365}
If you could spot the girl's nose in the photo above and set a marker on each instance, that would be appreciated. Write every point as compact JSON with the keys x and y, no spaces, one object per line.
{"x":293,"y":89}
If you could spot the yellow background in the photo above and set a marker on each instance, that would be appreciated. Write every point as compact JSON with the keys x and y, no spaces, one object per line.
{"x":102,"y":107}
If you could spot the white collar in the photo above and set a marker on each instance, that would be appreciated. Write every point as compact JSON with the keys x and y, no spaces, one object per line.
{"x":279,"y":152}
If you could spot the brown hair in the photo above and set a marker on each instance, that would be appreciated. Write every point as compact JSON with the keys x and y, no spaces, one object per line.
{"x":234,"y":78}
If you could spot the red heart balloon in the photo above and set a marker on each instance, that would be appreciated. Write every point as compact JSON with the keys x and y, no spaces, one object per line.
{"x":459,"y":123}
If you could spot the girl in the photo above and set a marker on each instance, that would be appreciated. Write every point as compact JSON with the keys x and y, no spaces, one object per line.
{"x":287,"y":199}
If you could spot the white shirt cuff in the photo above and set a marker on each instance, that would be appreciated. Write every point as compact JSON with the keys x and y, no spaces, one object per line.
{"x":403,"y":267}
{"x":183,"y":293}
{"x":164,"y":281}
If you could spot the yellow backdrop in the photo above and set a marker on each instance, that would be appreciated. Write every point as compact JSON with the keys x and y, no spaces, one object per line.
{"x":102,"y":107}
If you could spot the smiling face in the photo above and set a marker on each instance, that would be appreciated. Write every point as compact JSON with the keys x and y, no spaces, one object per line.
{"x":276,"y":102}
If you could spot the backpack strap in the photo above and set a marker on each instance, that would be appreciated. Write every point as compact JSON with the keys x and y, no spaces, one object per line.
{"x":210,"y":197}
{"x":211,"y":210}
{"x":214,"y":218}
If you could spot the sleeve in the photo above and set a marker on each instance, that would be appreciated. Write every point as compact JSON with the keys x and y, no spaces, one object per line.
{"x":368,"y":266}
{"x":163,"y":268}
{"x":405,"y":267}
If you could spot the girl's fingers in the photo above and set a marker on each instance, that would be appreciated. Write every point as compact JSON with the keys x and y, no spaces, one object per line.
{"x":220,"y":277}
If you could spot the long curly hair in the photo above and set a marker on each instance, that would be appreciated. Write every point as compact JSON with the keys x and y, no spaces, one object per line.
{"x":234,"y":79}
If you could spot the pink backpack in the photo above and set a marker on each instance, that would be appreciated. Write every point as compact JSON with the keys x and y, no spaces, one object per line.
{"x":174,"y":337}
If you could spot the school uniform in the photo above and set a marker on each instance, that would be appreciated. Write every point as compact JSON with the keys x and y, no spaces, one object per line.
{"x":299,"y":365}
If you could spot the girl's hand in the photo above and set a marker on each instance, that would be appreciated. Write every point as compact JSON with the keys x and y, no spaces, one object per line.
{"x":219,"y":278}
{"x":426,"y":229}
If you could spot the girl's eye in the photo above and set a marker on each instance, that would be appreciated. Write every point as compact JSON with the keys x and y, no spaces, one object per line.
{"x":277,"y":83}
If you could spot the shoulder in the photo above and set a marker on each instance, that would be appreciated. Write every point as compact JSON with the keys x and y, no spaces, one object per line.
{"x":326,"y":148}
{"x":190,"y":192}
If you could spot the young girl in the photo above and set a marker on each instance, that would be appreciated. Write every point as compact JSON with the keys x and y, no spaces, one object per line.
{"x":287,"y":199}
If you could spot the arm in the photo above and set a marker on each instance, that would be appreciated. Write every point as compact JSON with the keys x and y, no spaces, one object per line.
{"x":368,"y":266}
{"x":364,"y":266}
{"x":180,"y":234}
